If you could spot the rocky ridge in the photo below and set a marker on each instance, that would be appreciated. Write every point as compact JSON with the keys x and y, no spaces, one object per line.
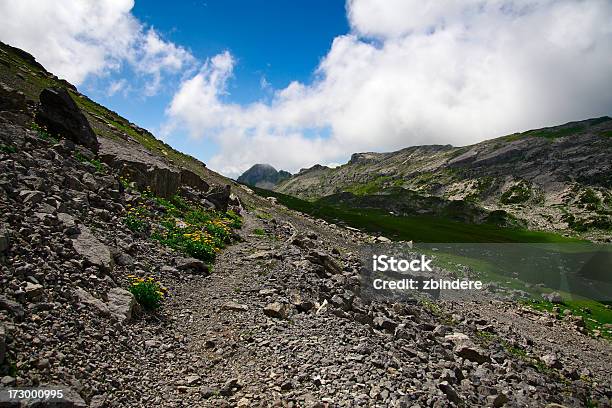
{"x":556,"y":178}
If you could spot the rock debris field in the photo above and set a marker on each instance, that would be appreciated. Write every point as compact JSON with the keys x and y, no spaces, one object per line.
{"x":276,"y":320}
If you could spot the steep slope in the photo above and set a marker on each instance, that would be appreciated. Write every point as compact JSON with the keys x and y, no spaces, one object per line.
{"x":263,"y":176}
{"x":20,"y":73}
{"x":555,"y":178}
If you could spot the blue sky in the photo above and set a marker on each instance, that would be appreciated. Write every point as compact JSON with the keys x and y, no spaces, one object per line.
{"x":300,"y":82}
{"x":267,"y":54}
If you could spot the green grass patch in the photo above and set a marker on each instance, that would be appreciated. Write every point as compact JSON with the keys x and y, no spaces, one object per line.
{"x":555,"y":133}
{"x":43,"y":133}
{"x":371,"y":187}
{"x":519,"y":193}
{"x":416,"y":228}
{"x":182,"y":225}
{"x":595,"y":314}
{"x":263,"y":215}
{"x":7,"y":149}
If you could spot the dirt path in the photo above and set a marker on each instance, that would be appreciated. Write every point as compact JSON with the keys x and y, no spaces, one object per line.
{"x":225,"y":351}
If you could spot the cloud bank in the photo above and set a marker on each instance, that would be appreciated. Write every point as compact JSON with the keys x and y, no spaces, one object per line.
{"x":86,"y":38}
{"x":413,"y":72}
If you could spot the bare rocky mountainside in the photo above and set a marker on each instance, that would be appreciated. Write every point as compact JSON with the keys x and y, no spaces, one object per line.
{"x":133,"y":276}
{"x":263,"y":176}
{"x":557,"y":178}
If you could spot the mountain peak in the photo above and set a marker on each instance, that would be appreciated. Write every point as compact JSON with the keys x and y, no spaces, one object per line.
{"x":263,"y":175}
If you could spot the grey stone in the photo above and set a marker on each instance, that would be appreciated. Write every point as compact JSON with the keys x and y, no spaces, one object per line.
{"x":192,"y":379}
{"x":33,"y":291}
{"x":92,"y":250}
{"x":7,"y":380}
{"x":326,"y":261}
{"x":191,"y":179}
{"x":192,"y":265}
{"x":552,"y":361}
{"x":98,"y":401}
{"x":31,"y":197}
{"x":498,"y":400}
{"x":13,"y":307}
{"x":472,"y":353}
{"x":384,"y":323}
{"x":553,"y":297}
{"x":121,"y":304}
{"x":237,"y":307}
{"x":230,"y":386}
{"x":87,"y":299}
{"x":139,"y":166}
{"x":277,"y":310}
{"x":450,"y":392}
{"x":219,"y":196}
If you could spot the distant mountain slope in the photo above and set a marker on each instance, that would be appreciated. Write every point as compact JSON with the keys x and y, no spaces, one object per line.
{"x":263,"y":176}
{"x":556,"y":178}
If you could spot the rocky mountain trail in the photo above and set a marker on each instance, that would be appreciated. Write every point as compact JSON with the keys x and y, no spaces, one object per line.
{"x":268,"y":314}
{"x":270,"y":330}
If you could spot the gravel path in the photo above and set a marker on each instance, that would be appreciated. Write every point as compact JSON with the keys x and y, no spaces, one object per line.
{"x":232,"y":354}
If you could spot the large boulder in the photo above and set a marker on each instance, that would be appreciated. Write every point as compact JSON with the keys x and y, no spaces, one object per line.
{"x":137,"y":165}
{"x":328,"y":263}
{"x":220,"y":197}
{"x":121,"y":303}
{"x":92,"y":250}
{"x":191,"y":179}
{"x":277,"y":310}
{"x":60,"y":115}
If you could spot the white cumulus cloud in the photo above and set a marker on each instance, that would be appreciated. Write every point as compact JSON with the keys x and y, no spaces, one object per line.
{"x":413,"y":72}
{"x":78,"y":39}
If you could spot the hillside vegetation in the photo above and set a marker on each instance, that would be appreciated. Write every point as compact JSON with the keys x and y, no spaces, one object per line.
{"x":556,"y":179}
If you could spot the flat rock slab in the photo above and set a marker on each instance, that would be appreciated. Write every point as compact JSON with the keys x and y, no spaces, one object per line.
{"x":94,"y":252}
{"x":276,"y":310}
{"x":237,"y":307}
{"x":138,"y":165}
{"x":121,"y":303}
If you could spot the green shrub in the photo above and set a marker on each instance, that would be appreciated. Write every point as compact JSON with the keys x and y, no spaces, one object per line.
{"x":590,"y":199}
{"x":136,"y":218}
{"x":182,"y":225}
{"x":518,"y":193}
{"x":199,"y":235}
{"x":43,"y":133}
{"x":148,"y":292}
{"x":259,"y":231}
{"x":98,"y":165}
